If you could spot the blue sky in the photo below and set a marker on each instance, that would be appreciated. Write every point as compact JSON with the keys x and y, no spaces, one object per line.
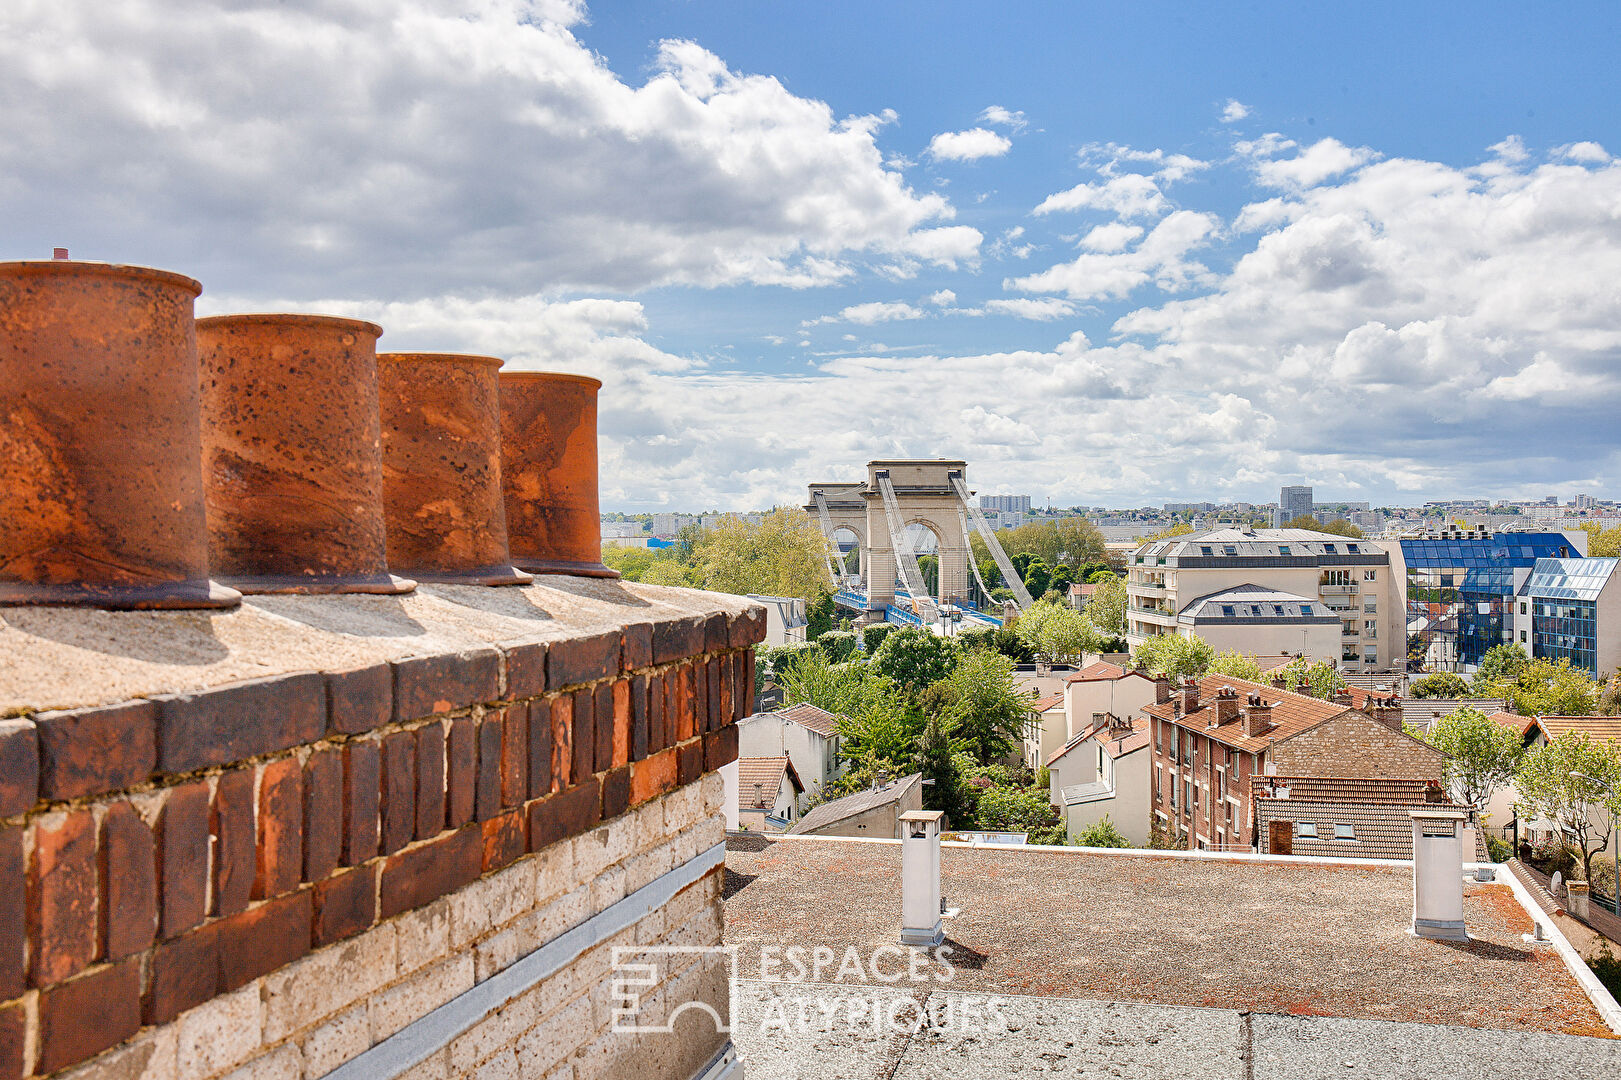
{"x":1109,"y":254}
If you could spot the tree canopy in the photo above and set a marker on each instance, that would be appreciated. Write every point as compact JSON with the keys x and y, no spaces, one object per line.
{"x":1602,"y":543}
{"x":1542,"y":687}
{"x":1057,"y":631}
{"x":1576,"y":783}
{"x":913,"y":658}
{"x":784,"y":554}
{"x":1107,"y":608}
{"x":1236,"y":665}
{"x":1175,"y":655}
{"x":1483,"y":754}
{"x":1442,"y":684}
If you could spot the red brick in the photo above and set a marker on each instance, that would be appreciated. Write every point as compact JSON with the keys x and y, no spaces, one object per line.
{"x":263,"y":938}
{"x":323,"y":813}
{"x":749,"y":699}
{"x":360,"y":699}
{"x":686,"y":717}
{"x":448,"y":682}
{"x":747,"y":628}
{"x":505,"y":838}
{"x":638,"y":646}
{"x":398,"y":791}
{"x":80,"y":1019}
{"x":13,"y":1039}
{"x":461,"y":770}
{"x":539,"y":717}
{"x":93,"y":751}
{"x":418,"y":877}
{"x":656,"y":738}
{"x":742,"y":703}
{"x":62,"y":898}
{"x":236,"y":856}
{"x":487,"y":801}
{"x":13,"y":912}
{"x":602,"y":710}
{"x":623,"y":720}
{"x":514,"y":755}
{"x":183,"y":848}
{"x":185,"y":972}
{"x":615,"y":792}
{"x":19,"y":767}
{"x":720,"y":748}
{"x":281,"y":829}
{"x":689,"y":761}
{"x":652,"y":777}
{"x":129,"y":883}
{"x":708,"y":674}
{"x":715,"y":632}
{"x":568,"y":813}
{"x":560,"y":713}
{"x":430,"y":781}
{"x":582,"y":659}
{"x":344,"y":905}
{"x":583,"y":733}
{"x":232,"y":723}
{"x":638,"y":718}
{"x":728,"y":676}
{"x":526,"y":671}
{"x":677,"y":639}
{"x":362,"y":792}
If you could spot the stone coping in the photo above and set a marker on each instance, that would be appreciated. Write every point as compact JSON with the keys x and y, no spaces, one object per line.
{"x":71,"y":658}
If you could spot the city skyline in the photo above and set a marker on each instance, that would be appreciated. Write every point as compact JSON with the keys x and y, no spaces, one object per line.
{"x":1165,"y":253}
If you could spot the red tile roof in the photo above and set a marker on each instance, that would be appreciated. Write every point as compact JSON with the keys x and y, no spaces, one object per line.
{"x":767,"y":772}
{"x":1291,"y":713}
{"x":807,"y":715}
{"x":1043,"y":704}
{"x":1521,"y":724}
{"x":1336,"y":789}
{"x":1103,"y":671}
{"x":1597,"y":728}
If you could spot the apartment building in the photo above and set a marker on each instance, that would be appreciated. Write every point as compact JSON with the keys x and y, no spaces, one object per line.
{"x":1268,"y":590}
{"x":1211,"y":737}
{"x":1571,"y":609}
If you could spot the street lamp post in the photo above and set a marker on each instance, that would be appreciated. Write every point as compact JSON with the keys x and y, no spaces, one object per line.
{"x":1615,"y":841}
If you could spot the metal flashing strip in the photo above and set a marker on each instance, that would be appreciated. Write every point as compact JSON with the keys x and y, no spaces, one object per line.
{"x":426,"y":1036}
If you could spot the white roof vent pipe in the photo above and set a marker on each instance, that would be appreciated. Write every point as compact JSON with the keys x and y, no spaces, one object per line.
{"x":1438,"y":874}
{"x":920,"y":878}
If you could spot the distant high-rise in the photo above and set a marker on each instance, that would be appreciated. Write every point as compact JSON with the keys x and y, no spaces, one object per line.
{"x":1294,"y":502}
{"x":1005,"y":504}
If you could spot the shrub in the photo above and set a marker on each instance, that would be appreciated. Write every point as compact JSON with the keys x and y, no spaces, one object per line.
{"x":874,"y":635}
{"x":837,"y":645}
{"x":1102,"y":834}
{"x":1607,"y":968}
{"x":1498,"y":849}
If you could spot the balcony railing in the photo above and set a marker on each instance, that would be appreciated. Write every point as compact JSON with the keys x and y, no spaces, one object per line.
{"x":1338,"y":590}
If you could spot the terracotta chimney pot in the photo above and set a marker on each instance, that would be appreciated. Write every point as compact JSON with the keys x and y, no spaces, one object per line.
{"x":101,"y":495}
{"x":292,"y":461}
{"x":549,"y":473}
{"x":442,"y":505}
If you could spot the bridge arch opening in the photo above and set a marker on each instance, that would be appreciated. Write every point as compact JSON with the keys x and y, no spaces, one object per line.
{"x":847,"y":555}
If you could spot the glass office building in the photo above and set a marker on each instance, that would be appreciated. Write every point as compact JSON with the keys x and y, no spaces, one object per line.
{"x":1460,"y":591}
{"x":1560,"y":602}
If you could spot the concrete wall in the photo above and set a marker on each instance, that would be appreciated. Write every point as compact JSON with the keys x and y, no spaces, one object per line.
{"x":1123,"y":697}
{"x":1355,"y":745}
{"x":770,"y":735}
{"x":1129,"y":807}
{"x":1317,"y":638}
{"x":883,"y":821}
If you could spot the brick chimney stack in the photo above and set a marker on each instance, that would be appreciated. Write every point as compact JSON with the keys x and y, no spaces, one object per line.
{"x":1190,"y":697}
{"x":1162,"y":689}
{"x":1387,"y":711}
{"x":1226,"y":705}
{"x":1257,"y":716}
{"x":1342,"y":696}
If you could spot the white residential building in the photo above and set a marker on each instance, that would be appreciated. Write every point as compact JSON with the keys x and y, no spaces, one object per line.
{"x":785,"y":618}
{"x":804,"y":734}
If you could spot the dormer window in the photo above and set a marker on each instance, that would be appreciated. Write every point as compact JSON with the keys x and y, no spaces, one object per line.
{"x":1329,"y":548}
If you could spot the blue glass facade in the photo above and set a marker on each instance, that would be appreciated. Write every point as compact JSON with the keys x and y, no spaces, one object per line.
{"x":1460,"y":591}
{"x":1563,"y":595}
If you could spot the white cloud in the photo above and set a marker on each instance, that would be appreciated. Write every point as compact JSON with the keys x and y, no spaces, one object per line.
{"x":879,"y":311}
{"x":1318,"y":162}
{"x":943,"y":298}
{"x":1008,"y":118}
{"x":1234,"y":111}
{"x":970,"y":145}
{"x":424,"y":146}
{"x":1111,"y":237}
{"x":1044,"y":309}
{"x":1130,"y":195}
{"x":1160,"y":260}
{"x":1588,"y":153}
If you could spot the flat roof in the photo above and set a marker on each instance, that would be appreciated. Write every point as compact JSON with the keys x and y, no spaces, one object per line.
{"x":1301,"y":937}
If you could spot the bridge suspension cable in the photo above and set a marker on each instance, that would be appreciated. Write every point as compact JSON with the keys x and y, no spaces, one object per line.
{"x":962,"y":523}
{"x":832,"y":546}
{"x":1010,"y":576}
{"x":905,"y":558}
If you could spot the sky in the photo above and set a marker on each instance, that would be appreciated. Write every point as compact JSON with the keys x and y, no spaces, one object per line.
{"x":1109,"y":254}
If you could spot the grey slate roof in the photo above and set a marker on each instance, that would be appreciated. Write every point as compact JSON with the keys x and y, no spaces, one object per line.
{"x":837,"y":810}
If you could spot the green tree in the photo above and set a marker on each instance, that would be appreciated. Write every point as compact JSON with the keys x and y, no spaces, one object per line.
{"x":873,"y":635}
{"x":1339,"y":526}
{"x":1602,"y":543}
{"x":913,"y":658}
{"x":784,"y":554}
{"x":1016,"y":809}
{"x":937,"y":756}
{"x":988,"y":713}
{"x":820,"y":616}
{"x":1482,"y":753}
{"x":1565,"y":781}
{"x":1609,"y":697}
{"x":1102,"y":834}
{"x":1443,"y":684}
{"x":1057,"y":631}
{"x":1545,"y":688}
{"x":1506,"y":661}
{"x":1062,"y":578}
{"x":1068,"y":541}
{"x":1235,"y":665}
{"x":1037,"y":575}
{"x":1107,"y":608}
{"x":1175,"y":655}
{"x":1321,"y":680}
{"x":837,"y":645}
{"x":929,"y":567}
